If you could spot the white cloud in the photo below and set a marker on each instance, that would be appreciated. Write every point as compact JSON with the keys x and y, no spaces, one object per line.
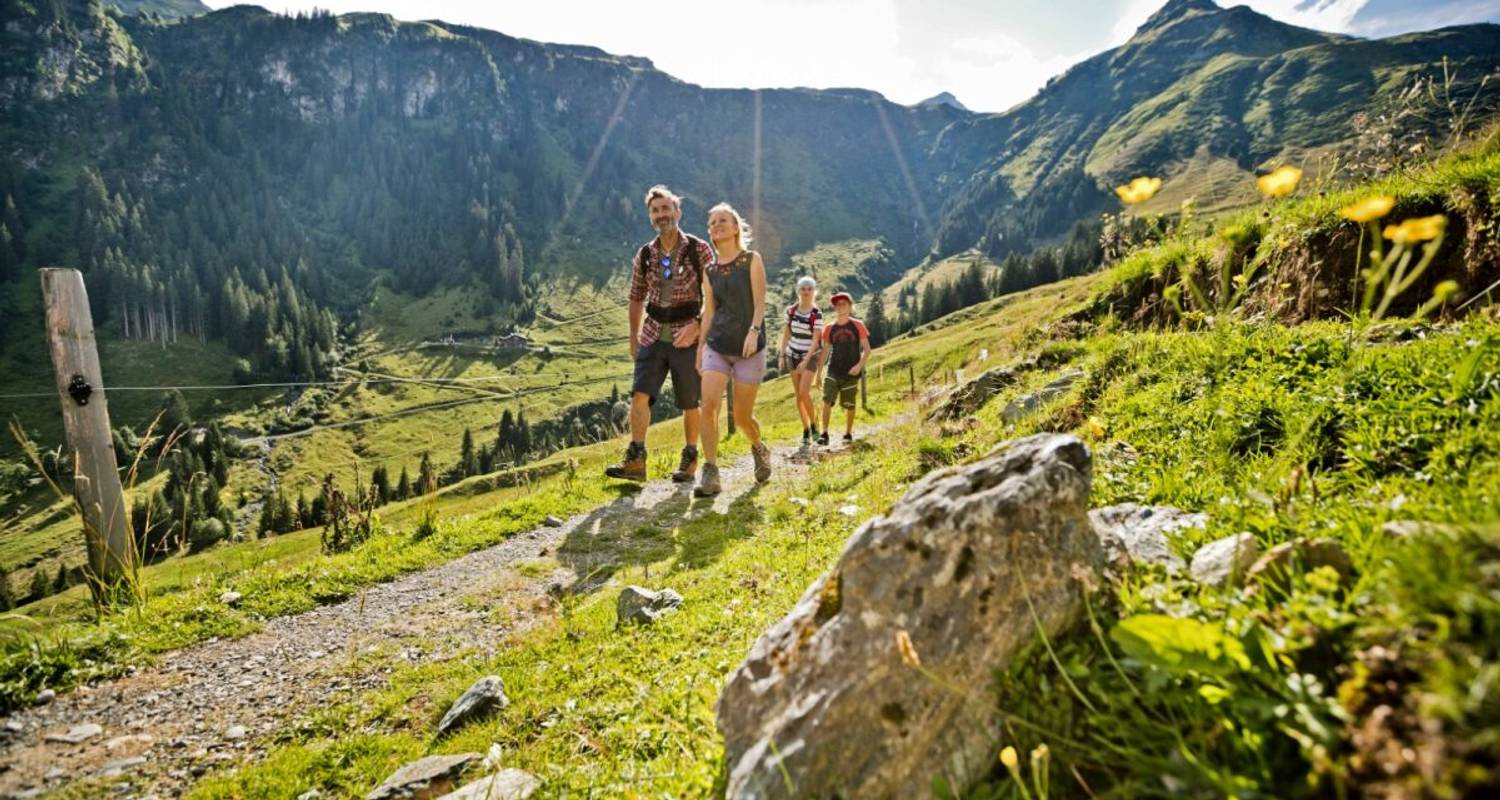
{"x":989,"y":71}
{"x":1132,"y":16}
{"x":1336,"y":16}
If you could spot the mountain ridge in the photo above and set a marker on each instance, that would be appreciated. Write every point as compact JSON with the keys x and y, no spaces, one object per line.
{"x":442,"y":154}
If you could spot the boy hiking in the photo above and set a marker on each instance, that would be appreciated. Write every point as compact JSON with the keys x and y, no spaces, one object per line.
{"x":848,"y":345}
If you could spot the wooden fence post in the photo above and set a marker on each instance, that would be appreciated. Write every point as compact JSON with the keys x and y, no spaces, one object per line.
{"x":80,"y":388}
{"x":729,"y":405}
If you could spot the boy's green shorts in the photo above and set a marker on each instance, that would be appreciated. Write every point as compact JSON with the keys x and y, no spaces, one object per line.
{"x":842,"y":388}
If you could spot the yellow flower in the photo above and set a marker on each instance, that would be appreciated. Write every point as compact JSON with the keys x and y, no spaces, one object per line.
{"x":907,"y":650}
{"x":1095,"y":428}
{"x":1280,"y":183}
{"x":1445,"y":290}
{"x":1417,"y":229}
{"x":1369,"y":209}
{"x":1008,"y":758}
{"x":1139,"y":190}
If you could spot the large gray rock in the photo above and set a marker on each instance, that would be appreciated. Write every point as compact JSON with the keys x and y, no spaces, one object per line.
{"x":507,"y":784}
{"x":642,"y":606}
{"x":1027,"y":404}
{"x":1223,"y":562}
{"x":485,"y":697}
{"x":972,"y":395}
{"x":1142,"y":534}
{"x":423,"y":779}
{"x":825,"y":704}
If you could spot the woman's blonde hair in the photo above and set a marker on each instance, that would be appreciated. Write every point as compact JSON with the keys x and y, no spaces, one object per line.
{"x":744,"y":237}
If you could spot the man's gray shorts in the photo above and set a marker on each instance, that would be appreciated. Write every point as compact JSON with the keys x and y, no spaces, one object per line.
{"x":654,"y":362}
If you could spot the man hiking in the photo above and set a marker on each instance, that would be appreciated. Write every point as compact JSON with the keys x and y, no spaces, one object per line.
{"x":848,"y":345}
{"x":666,"y":288}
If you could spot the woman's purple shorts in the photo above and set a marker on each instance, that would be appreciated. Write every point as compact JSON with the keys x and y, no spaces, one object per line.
{"x":741,"y":369}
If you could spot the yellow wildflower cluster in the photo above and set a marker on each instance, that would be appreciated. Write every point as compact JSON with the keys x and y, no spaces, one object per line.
{"x":1139,"y":190}
{"x":1279,"y":183}
{"x":1369,"y":209}
{"x":1417,"y":229}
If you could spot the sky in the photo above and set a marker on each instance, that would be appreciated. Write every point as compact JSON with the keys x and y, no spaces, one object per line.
{"x":991,"y":54}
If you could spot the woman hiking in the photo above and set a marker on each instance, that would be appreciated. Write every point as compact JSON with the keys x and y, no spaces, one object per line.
{"x":734,"y":312}
{"x":801,"y":336}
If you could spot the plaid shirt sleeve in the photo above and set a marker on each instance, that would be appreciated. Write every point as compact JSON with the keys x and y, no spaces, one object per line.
{"x":637,"y":280}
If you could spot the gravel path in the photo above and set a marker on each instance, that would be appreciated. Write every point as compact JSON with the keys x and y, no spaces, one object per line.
{"x":220,"y":702}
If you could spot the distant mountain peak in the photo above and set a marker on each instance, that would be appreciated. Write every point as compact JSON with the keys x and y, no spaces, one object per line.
{"x":1175,"y":10}
{"x":942,"y":99}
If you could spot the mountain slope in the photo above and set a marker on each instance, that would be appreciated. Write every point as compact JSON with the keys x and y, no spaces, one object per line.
{"x":1201,"y":96}
{"x":164,"y":8}
{"x":216,"y":162}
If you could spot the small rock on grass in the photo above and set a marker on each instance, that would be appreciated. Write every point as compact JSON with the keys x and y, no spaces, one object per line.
{"x":486,"y":696}
{"x":642,"y":606}
{"x":507,"y":784}
{"x":45,"y":696}
{"x":553,"y":521}
{"x":1224,"y":561}
{"x":424,"y":778}
{"x":76,"y":734}
{"x":230,"y":599}
{"x":1274,"y":568}
{"x":1137,"y":533}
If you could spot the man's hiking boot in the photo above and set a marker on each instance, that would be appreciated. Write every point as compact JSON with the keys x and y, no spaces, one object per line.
{"x":806,"y":437}
{"x":708,"y":481}
{"x":762,"y":456}
{"x":632,"y":467}
{"x":823,"y":439}
{"x":688,"y":467}
{"x":848,"y":438}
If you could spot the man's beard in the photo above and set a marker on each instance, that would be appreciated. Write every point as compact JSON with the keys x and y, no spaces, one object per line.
{"x":664,"y":225}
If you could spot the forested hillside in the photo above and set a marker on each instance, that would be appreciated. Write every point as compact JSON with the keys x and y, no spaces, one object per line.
{"x":250,"y":178}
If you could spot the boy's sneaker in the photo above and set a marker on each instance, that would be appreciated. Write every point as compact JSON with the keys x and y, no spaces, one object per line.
{"x":708,"y":481}
{"x":632,"y":467}
{"x":688,"y":467}
{"x":848,"y":438}
{"x":823,"y":439}
{"x":762,"y":456}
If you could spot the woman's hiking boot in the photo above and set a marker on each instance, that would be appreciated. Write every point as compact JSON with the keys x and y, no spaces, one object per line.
{"x":806,"y":437}
{"x":823,"y":439}
{"x":762,"y":456}
{"x":632,"y":467}
{"x":688,"y":467}
{"x":848,"y":438}
{"x":708,"y":481}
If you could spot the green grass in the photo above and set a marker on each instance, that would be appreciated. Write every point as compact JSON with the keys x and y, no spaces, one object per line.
{"x":1173,"y":690}
{"x":1283,"y":432}
{"x":1301,"y":247}
{"x":619,"y":710}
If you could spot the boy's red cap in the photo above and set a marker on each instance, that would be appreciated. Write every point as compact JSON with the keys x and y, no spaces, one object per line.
{"x":844,"y":296}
